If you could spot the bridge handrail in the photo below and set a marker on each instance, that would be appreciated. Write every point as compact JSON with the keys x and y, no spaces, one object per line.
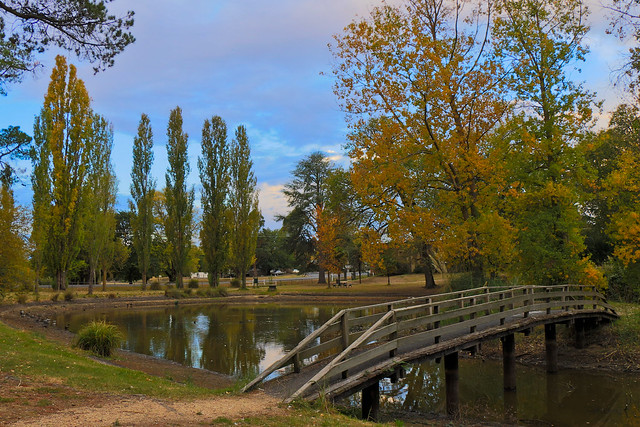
{"x":428,"y":312}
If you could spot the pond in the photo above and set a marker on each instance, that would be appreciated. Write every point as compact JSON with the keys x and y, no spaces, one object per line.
{"x":243,"y":340}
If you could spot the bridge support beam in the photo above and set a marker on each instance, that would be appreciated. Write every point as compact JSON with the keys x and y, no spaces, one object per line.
{"x":371,"y":402}
{"x":551,"y":346}
{"x":509,"y":361}
{"x":581,"y":340}
{"x":451,"y":376}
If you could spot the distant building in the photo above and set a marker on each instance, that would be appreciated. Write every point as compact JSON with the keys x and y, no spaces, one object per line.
{"x":199,"y":275}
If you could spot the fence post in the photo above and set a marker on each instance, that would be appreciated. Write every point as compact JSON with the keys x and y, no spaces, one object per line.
{"x":548,"y":299}
{"x":394,"y":335}
{"x":436,"y":325}
{"x":526,"y":301}
{"x":501,"y":297}
{"x":472,"y":315}
{"x":461,"y":305}
{"x":487,"y":300}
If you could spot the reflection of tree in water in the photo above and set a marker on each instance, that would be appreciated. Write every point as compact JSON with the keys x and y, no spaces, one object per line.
{"x":421,"y":390}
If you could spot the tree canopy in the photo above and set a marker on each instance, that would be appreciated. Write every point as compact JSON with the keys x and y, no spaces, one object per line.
{"x":85,"y":27}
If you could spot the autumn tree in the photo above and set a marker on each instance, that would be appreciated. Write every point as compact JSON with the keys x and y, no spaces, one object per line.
{"x":142,"y":193}
{"x":85,"y":27}
{"x":214,"y":167}
{"x":14,"y":267}
{"x":305,"y":194}
{"x":331,"y":257}
{"x":243,"y":202}
{"x":178,"y":199}
{"x":423,"y":96}
{"x":101,"y":188}
{"x":541,"y":41}
{"x":64,"y":127}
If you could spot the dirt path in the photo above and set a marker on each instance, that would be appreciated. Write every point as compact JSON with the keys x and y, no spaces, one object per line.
{"x":142,"y":411}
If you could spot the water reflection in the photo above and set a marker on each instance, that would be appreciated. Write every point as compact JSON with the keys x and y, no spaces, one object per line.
{"x":567,"y":398}
{"x":234,"y":340}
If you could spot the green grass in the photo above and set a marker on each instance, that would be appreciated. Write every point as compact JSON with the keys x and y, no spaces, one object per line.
{"x":24,"y":354}
{"x":99,"y":337}
{"x":627,"y":327}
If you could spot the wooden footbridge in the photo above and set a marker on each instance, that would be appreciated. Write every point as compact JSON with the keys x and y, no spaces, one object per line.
{"x":359,"y":346}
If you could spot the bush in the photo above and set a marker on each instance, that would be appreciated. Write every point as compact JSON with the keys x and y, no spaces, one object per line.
{"x":111,"y":295}
{"x":22,"y":298}
{"x":69,"y":295}
{"x":193,"y":284}
{"x":154,"y":285}
{"x":202,"y":293}
{"x":236,"y":283}
{"x":55,"y":296}
{"x":48,"y":281}
{"x":99,"y":337}
{"x":172,"y":293}
{"x":221,"y":292}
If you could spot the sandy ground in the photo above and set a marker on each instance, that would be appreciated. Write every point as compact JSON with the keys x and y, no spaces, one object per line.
{"x":141,"y":411}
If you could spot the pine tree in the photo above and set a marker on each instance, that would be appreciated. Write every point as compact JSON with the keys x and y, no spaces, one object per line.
{"x":178,"y":200}
{"x":214,"y":175}
{"x":142,"y":192}
{"x":244,"y":206}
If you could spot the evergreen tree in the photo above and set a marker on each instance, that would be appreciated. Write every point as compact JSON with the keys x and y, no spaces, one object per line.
{"x":178,"y":199}
{"x":214,"y":175}
{"x":142,"y":192}
{"x":244,"y":206}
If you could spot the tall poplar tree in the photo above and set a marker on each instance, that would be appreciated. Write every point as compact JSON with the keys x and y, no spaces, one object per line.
{"x":244,"y":206}
{"x":214,"y":175}
{"x":142,"y":192}
{"x":178,"y":199}
{"x":64,"y":125}
{"x":100,"y":191}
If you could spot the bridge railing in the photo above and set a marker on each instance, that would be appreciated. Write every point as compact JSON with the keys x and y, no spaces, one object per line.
{"x":358,"y":335}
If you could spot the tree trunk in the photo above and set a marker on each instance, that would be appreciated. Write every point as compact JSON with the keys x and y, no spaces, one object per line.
{"x":321,"y":279}
{"x":144,"y":280}
{"x":429,"y":281}
{"x":104,"y":279}
{"x":61,"y":280}
{"x":388,"y":280}
{"x":92,"y":279}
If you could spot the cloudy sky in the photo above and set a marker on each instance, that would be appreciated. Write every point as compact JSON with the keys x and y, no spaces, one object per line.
{"x":252,"y":62}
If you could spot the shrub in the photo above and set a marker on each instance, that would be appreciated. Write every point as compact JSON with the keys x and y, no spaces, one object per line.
{"x":22,"y":298}
{"x":193,"y":284}
{"x":201,"y":293}
{"x":236,"y":283}
{"x":55,"y":296}
{"x":111,"y":295}
{"x":154,"y":285}
{"x":99,"y":337}
{"x":69,"y":295}
{"x":172,"y":293}
{"x":221,"y":292}
{"x":187,"y":292}
{"x":48,"y":281}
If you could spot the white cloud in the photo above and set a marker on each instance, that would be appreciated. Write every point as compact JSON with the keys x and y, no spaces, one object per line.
{"x":272,"y":202}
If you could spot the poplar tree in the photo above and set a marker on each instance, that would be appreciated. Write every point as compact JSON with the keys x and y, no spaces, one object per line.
{"x":64,"y":125}
{"x":214,"y":175}
{"x":244,"y":206}
{"x":142,"y":192}
{"x":179,"y":200}
{"x":101,"y":197}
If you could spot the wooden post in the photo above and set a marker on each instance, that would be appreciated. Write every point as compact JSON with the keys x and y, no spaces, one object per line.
{"x":296,"y":363}
{"x":551,"y":346}
{"x":526,"y":301}
{"x":344,"y":325}
{"x":371,"y":402}
{"x":509,"y":361}
{"x":461,"y":305}
{"x":581,"y":340}
{"x":394,"y":335}
{"x":451,"y":383}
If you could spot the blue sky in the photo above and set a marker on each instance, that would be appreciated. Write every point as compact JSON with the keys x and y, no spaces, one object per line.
{"x":252,"y":62}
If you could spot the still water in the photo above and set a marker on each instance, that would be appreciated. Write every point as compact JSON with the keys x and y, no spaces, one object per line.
{"x":244,"y":340}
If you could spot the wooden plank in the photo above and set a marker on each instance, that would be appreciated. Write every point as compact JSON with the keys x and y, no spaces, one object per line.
{"x":320,"y":348}
{"x":363,"y":357}
{"x":365,"y":320}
